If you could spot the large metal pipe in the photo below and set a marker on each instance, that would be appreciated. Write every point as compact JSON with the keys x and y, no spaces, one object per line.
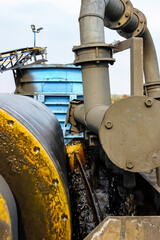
{"x":93,"y":123}
{"x":96,"y":85}
{"x":95,"y":75}
{"x":91,"y":21}
{"x":94,"y":56}
{"x":114,"y":9}
{"x":151,"y":68}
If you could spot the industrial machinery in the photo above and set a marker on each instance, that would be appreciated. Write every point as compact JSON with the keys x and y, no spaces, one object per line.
{"x":107,"y":185}
{"x":15,"y":59}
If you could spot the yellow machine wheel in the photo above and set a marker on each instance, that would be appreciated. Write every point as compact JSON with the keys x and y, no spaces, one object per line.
{"x":33,"y":164}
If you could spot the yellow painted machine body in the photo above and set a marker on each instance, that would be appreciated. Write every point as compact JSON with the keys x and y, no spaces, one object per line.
{"x":33,"y":164}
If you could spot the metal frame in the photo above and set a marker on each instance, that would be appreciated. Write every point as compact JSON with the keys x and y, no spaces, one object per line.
{"x":136,"y":62}
{"x":17,"y":58}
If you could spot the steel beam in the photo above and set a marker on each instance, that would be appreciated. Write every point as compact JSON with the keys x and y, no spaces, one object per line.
{"x":136,"y":63}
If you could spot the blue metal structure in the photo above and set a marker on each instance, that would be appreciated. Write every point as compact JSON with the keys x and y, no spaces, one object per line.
{"x":53,"y":85}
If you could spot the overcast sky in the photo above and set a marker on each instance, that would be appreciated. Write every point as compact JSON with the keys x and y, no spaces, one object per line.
{"x":59,"y":18}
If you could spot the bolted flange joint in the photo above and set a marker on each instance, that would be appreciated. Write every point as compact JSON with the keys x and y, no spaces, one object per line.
{"x":152,"y":90}
{"x":126,"y":16}
{"x":140,"y":29}
{"x":93,"y":53}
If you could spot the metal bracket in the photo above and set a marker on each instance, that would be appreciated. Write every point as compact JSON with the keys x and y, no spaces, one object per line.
{"x":75,"y":127}
{"x":136,"y":62}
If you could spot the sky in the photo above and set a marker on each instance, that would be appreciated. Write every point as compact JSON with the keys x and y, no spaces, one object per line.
{"x":59,"y":19}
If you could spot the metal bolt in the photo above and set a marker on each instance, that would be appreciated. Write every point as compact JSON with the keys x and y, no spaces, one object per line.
{"x":109,"y":125}
{"x":64,"y":217}
{"x":36,"y":150}
{"x":55,"y":182}
{"x":129,"y":165}
{"x":127,"y":15}
{"x":10,"y":123}
{"x":149,"y":102}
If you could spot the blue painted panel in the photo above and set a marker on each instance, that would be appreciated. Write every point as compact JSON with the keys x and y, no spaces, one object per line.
{"x":58,"y":108}
{"x":53,"y":74}
{"x":61,"y":87}
{"x":61,"y":116}
{"x":55,"y":86}
{"x":56,"y":99}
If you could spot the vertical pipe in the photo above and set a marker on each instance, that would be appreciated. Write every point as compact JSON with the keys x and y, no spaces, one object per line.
{"x":96,"y":86}
{"x":95,"y":76}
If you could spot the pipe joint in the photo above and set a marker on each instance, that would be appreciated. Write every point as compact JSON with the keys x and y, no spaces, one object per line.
{"x":140,"y":27}
{"x":127,"y":14}
{"x":91,"y":15}
{"x":93,"y":53}
{"x":152,"y":90}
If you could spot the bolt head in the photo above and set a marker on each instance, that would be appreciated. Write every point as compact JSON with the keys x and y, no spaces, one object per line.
{"x":127,"y":15}
{"x":129,"y":165}
{"x":149,"y":102}
{"x":109,"y":125}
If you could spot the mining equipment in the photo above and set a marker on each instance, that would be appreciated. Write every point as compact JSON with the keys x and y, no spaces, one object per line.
{"x":107,"y":184}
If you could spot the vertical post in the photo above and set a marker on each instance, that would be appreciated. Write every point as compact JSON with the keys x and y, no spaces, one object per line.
{"x":34,"y":38}
{"x":136,"y":62}
{"x":136,"y":59}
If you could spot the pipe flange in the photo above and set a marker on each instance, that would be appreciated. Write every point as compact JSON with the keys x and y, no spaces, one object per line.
{"x":142,"y":24}
{"x":152,"y":90}
{"x":127,"y":15}
{"x":93,"y":53}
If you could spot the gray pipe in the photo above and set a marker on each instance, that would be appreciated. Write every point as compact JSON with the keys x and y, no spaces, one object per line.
{"x":93,"y":119}
{"x":96,"y":85}
{"x":151,"y":68}
{"x":91,"y":21}
{"x":95,"y":76}
{"x":114,"y":9}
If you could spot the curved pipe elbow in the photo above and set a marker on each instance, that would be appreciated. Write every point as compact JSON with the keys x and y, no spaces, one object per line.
{"x":151,"y":68}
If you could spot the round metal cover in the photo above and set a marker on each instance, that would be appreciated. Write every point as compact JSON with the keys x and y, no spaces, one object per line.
{"x":130,"y":133}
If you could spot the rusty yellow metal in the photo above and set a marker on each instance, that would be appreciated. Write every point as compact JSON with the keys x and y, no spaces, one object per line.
{"x":75,"y":147}
{"x":5,"y":221}
{"x":128,"y":228}
{"x":34,"y":181}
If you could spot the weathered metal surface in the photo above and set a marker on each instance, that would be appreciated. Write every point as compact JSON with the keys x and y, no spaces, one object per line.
{"x":127,"y":228}
{"x":8,"y":213}
{"x":118,"y":13}
{"x":135,"y":27}
{"x":152,"y":89}
{"x":32,"y":162}
{"x":133,"y":134}
{"x":75,"y":147}
{"x":5,"y":221}
{"x":86,"y":212}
